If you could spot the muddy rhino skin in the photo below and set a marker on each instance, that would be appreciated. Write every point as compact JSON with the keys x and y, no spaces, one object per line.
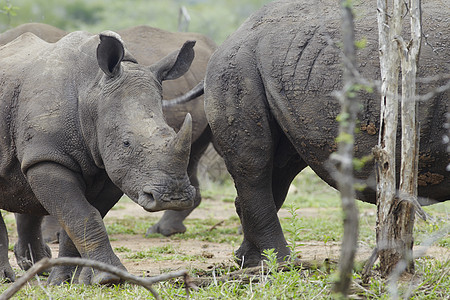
{"x":268,"y":100}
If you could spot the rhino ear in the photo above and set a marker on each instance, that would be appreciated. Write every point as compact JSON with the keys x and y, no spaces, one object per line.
{"x":176,"y":63}
{"x":110,"y":53}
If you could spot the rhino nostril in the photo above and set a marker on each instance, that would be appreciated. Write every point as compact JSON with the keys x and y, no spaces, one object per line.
{"x":147,"y":189}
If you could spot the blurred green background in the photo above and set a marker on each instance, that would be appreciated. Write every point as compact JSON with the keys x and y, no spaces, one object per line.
{"x":215,"y":18}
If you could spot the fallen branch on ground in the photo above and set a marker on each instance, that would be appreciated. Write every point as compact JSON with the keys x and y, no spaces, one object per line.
{"x":251,"y":274}
{"x":47,"y":263}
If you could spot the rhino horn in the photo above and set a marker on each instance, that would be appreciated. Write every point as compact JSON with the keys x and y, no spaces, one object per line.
{"x":181,"y":143}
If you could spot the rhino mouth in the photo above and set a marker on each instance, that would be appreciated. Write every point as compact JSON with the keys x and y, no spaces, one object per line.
{"x":152,"y":199}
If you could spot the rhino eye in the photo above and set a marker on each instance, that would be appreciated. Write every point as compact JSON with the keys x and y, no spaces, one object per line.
{"x":126,"y":143}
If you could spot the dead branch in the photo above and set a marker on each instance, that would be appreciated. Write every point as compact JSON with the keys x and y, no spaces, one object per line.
{"x":252,"y":274}
{"x":47,"y":263}
{"x":216,"y":225}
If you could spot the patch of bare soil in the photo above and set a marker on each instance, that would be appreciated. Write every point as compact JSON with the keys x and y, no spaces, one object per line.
{"x":209,"y":254}
{"x":216,"y":254}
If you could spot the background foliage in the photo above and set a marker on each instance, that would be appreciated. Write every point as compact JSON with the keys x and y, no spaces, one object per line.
{"x":214,"y":18}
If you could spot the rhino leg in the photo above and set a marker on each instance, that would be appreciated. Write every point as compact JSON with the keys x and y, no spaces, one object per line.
{"x":246,"y":134}
{"x":107,"y":198}
{"x":75,"y":274}
{"x":172,"y":221}
{"x":50,"y":229}
{"x":6,"y":272}
{"x":62,"y":274}
{"x":61,"y":192}
{"x":30,"y":246}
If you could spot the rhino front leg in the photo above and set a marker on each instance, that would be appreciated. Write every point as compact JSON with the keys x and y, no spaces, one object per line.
{"x":30,"y":246}
{"x":6,"y":272}
{"x":107,"y":198}
{"x":62,"y":274}
{"x":61,"y":192}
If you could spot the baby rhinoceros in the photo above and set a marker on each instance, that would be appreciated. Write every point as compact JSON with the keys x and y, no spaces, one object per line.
{"x":81,"y":123}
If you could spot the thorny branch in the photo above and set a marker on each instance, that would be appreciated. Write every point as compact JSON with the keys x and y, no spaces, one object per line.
{"x":47,"y":263}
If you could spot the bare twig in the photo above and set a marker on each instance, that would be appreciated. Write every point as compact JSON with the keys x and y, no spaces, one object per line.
{"x":47,"y":263}
{"x":369,"y":265}
{"x":250,"y":274}
{"x":216,"y":225}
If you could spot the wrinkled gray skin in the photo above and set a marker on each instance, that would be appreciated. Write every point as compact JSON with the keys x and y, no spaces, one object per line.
{"x":269,"y":104}
{"x":163,"y":42}
{"x":148,"y":45}
{"x":82,"y":124}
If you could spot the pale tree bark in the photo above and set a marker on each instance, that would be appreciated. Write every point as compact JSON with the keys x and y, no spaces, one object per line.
{"x":395,"y":212}
{"x":344,"y":157}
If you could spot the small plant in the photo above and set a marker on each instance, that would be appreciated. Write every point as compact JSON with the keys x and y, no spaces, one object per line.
{"x":294,"y":229}
{"x":122,"y":249}
{"x":271,"y":262}
{"x":9,"y":10}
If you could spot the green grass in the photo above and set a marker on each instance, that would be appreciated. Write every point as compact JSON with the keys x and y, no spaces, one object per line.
{"x":431,"y":281}
{"x":129,"y":225}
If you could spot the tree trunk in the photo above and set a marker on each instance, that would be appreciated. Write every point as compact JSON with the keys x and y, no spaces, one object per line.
{"x":396,"y":213}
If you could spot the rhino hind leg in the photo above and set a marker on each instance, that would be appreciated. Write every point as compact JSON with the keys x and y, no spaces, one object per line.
{"x":172,"y":221}
{"x":50,"y":229}
{"x":30,"y":246}
{"x":6,"y":272}
{"x":247,"y":136}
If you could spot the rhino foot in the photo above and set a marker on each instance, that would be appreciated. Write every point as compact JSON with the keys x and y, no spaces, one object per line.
{"x":91,"y":276}
{"x":247,"y":255}
{"x":166,"y":228}
{"x":6,"y":273}
{"x":62,"y":274}
{"x":25,"y":258}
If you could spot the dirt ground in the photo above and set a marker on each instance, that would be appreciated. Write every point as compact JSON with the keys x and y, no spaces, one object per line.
{"x":211,"y":168}
{"x":215,"y":254}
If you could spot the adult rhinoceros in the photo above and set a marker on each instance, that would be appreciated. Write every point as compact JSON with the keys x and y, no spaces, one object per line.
{"x":81,"y":123}
{"x":268,"y":100}
{"x":148,"y":45}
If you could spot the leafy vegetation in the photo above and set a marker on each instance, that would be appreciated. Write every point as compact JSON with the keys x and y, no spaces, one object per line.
{"x":304,"y":221}
{"x":216,"y":19}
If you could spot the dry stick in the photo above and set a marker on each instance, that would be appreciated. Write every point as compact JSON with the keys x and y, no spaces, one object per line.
{"x":46,"y":263}
{"x":244,"y":274}
{"x":344,"y":156}
{"x":216,"y":225}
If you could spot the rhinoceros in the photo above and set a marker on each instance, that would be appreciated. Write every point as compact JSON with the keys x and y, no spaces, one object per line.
{"x":81,"y":124}
{"x":148,"y":45}
{"x":268,"y":100}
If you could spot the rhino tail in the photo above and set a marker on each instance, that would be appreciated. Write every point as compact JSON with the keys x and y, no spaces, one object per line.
{"x":197,"y":91}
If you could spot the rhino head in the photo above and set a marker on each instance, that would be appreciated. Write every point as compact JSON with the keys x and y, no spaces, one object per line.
{"x":131,"y":140}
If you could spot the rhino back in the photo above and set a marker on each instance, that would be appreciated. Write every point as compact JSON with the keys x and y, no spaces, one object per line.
{"x":39,"y":89}
{"x":46,"y":32}
{"x":292,"y":48}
